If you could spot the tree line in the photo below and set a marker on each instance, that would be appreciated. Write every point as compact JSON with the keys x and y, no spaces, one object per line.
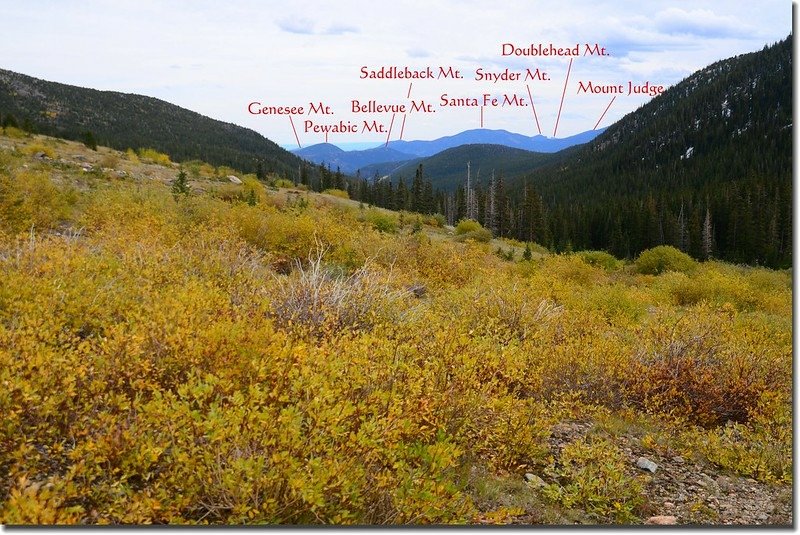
{"x":747,"y":221}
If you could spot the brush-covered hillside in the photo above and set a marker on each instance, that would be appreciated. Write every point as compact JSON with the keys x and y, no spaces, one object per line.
{"x":176,"y":347}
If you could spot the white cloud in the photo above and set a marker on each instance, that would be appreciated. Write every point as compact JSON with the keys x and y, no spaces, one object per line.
{"x":701,"y":23}
{"x":340,"y":29}
{"x":417,"y":52}
{"x":296,"y":25}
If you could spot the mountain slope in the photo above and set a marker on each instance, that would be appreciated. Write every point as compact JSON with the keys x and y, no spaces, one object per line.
{"x":350,"y":161}
{"x":122,"y":120}
{"x":447,"y":170}
{"x":713,"y":151}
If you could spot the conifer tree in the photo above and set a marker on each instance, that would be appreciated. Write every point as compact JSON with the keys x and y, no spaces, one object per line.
{"x":526,"y":254}
{"x":9,"y":120}
{"x":180,"y":186}
{"x":89,"y":141}
{"x":417,"y":190}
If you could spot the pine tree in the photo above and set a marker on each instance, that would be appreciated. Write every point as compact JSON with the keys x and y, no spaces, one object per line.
{"x":338,"y":179}
{"x":9,"y":120}
{"x":89,"y":141}
{"x":428,"y":198}
{"x":527,"y":255}
{"x":402,"y":197}
{"x":417,"y":191}
{"x":503,"y":216}
{"x":180,"y":186}
{"x":252,"y":200}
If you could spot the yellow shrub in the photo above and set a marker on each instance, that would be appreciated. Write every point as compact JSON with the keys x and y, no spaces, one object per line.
{"x":153,"y":156}
{"x":284,"y":183}
{"x":189,"y":363}
{"x":131,"y":156}
{"x":14,"y":133}
{"x":760,"y":449}
{"x":35,"y":148}
{"x":337,"y":193}
{"x":571,"y":269}
{"x":30,"y":199}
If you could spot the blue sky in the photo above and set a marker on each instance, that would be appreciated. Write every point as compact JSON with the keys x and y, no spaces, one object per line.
{"x":217,"y":57}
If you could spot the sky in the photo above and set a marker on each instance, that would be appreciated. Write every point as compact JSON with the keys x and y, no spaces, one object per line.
{"x":216,"y":58}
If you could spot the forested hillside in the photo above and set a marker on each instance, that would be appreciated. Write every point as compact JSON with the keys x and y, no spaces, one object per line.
{"x":122,"y":121}
{"x":706,"y":166}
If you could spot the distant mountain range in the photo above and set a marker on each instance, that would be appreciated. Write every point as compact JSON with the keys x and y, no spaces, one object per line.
{"x":448,"y":168}
{"x":349,"y":162}
{"x":123,"y":120}
{"x":386,"y":159}
{"x":483,"y":136}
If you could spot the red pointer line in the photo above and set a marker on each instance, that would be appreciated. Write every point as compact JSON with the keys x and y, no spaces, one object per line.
{"x":403,"y":127}
{"x":562,"y":97}
{"x":604,"y":113}
{"x":390,"y":131}
{"x":534,"y":110}
{"x":295,"y":133}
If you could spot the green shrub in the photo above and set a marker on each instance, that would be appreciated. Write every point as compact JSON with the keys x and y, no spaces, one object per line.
{"x":505,"y":255}
{"x":592,"y":476}
{"x":664,"y":258}
{"x":436,"y":220}
{"x":466,"y":226}
{"x":600,"y":259}
{"x":284,"y":183}
{"x":380,"y":221}
{"x":614,"y":302}
{"x":194,"y":167}
{"x":467,"y":229}
{"x":480,"y":235}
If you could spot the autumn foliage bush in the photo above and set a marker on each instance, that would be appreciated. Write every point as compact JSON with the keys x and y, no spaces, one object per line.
{"x":205,"y":360}
{"x":662,"y":259}
{"x":468,"y":229}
